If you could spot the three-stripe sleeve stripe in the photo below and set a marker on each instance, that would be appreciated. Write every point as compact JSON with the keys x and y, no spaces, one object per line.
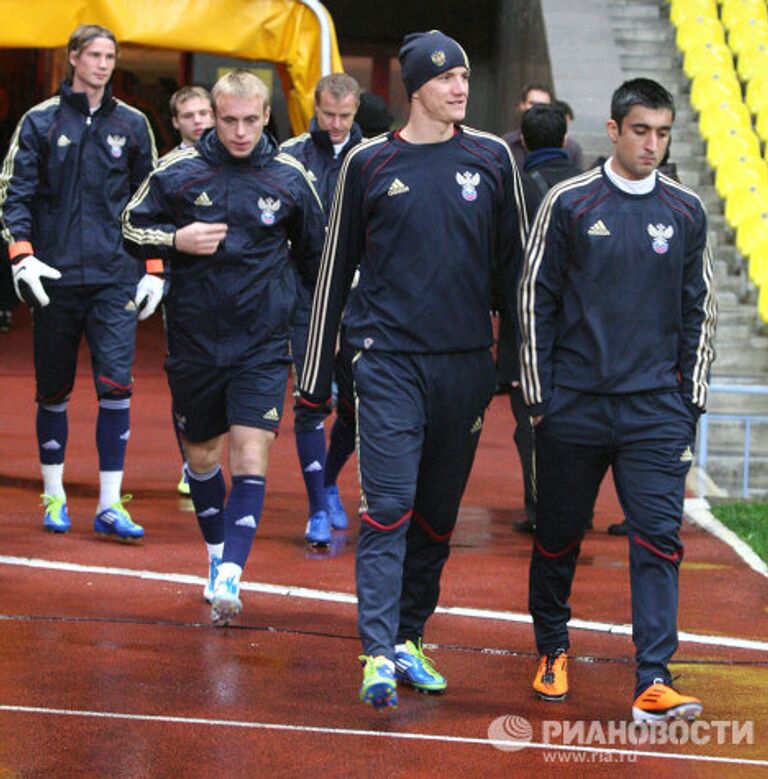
{"x":311,"y":371}
{"x":152,"y":236}
{"x":534,"y":255}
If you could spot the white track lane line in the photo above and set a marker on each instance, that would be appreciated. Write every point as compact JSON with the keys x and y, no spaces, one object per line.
{"x":732,"y":642}
{"x":434,"y":737}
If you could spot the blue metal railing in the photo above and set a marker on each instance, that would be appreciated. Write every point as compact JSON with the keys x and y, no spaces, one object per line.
{"x":747,"y":419}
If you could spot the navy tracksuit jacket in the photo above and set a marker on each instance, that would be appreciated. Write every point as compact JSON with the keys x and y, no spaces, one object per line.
{"x":617,"y":314}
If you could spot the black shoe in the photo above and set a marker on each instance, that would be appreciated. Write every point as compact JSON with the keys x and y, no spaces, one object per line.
{"x":619,"y":529}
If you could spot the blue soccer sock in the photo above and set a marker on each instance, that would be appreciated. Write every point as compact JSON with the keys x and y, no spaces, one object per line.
{"x":52,"y":431}
{"x":310,"y":446}
{"x":340,"y":448}
{"x":113,"y":429}
{"x":208,"y":491}
{"x":241,"y":517}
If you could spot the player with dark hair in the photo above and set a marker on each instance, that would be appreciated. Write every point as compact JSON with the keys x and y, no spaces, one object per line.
{"x":431,"y":214}
{"x":617,"y":313}
{"x":230,"y":215}
{"x":71,"y":166}
{"x":332,"y":134}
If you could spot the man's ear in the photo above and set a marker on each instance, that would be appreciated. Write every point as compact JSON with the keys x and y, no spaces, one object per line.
{"x":613,"y":130}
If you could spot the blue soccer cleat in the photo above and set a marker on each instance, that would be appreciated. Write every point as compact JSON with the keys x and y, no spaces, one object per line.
{"x":225,"y":603}
{"x":336,"y":513}
{"x":318,"y":532}
{"x":414,"y":668}
{"x":213,"y":572}
{"x":116,"y":522}
{"x":379,"y":688}
{"x":56,"y":518}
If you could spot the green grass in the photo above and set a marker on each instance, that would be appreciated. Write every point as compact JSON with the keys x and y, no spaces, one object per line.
{"x":749,"y":520}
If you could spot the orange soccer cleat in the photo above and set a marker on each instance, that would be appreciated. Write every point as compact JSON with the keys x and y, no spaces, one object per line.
{"x":551,"y":681}
{"x":661,"y":702}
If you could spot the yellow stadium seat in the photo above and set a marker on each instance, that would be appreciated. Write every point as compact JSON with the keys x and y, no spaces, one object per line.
{"x":733,"y":12}
{"x":720,"y":117}
{"x":682,"y":10}
{"x":731,"y":142}
{"x":761,"y":123}
{"x":697,"y":31}
{"x":708,"y":59}
{"x":747,"y":34}
{"x":751,"y":233}
{"x":739,"y":173}
{"x":756,"y":94}
{"x":713,"y":89}
{"x":752,"y":61}
{"x":757,"y":266}
{"x":743,"y":203}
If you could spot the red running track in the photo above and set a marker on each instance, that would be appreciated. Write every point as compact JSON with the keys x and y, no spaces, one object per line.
{"x":109,"y":665}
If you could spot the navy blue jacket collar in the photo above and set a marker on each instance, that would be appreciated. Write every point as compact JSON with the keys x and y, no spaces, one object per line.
{"x":535,"y":158}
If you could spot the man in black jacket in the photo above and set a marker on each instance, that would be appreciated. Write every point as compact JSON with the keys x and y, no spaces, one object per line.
{"x":546,"y":164}
{"x":71,"y":166}
{"x":230,"y":215}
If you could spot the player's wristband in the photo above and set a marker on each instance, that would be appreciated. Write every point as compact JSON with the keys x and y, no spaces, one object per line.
{"x":20,"y":250}
{"x":155,"y":266}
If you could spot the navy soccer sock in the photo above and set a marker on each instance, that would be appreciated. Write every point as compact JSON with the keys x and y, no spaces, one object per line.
{"x":340,"y":448}
{"x":241,"y":517}
{"x":52,"y":431}
{"x":310,"y":446}
{"x":113,"y":428}
{"x":208,"y":491}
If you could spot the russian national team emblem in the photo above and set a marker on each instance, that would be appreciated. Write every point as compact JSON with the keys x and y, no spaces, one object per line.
{"x":468,"y":183}
{"x":268,"y":208}
{"x":438,"y":58}
{"x":116,"y":143}
{"x":661,"y":236}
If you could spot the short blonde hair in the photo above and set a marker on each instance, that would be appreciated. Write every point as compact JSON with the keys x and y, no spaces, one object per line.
{"x":180,"y":96}
{"x":81,"y":37}
{"x":240,"y":83}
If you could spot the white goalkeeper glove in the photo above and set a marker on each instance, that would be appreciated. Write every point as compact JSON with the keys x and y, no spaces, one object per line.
{"x":149,"y":293}
{"x":27,"y":275}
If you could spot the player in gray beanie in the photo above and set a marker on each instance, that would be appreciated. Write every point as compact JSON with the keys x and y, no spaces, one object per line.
{"x":425,"y":55}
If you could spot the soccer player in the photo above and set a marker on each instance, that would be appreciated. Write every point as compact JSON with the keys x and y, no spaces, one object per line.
{"x":617,"y":313}
{"x":230,"y":215}
{"x":429,"y":213}
{"x":71,"y":166}
{"x":322,"y":150}
{"x":192,"y":115}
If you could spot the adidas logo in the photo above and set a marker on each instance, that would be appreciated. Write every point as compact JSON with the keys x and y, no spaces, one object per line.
{"x":272,"y":415}
{"x":210,"y":512}
{"x":397,"y":188}
{"x":51,"y":446}
{"x":203,"y":200}
{"x":126,"y":435}
{"x":598,"y":228}
{"x":249,"y":521}
{"x":687,"y":455}
{"x":313,"y":467}
{"x":63,"y":141}
{"x":477,"y":426}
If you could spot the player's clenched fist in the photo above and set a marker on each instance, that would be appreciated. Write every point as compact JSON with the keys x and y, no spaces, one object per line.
{"x":200,"y":237}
